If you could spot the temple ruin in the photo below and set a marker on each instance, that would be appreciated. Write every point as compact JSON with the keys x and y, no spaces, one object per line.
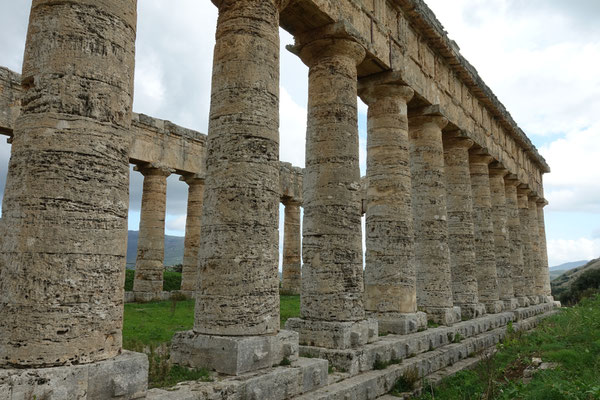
{"x":453,"y":200}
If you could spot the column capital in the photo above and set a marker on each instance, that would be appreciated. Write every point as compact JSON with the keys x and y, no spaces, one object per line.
{"x":291,"y":202}
{"x":192,"y":179}
{"x":523,"y":190}
{"x":316,"y":50}
{"x":427,"y":115}
{"x":511,"y":180}
{"x":480,"y":158}
{"x":456,"y":139}
{"x":153,"y":169}
{"x":542,"y":202}
{"x":497,"y":168}
{"x":280,"y":4}
{"x":533,"y":196}
{"x":386,"y":84}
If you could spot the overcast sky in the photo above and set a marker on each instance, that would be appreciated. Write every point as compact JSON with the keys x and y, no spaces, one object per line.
{"x":540,"y":57}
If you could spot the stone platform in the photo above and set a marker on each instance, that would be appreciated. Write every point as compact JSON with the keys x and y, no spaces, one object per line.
{"x":124,"y":377}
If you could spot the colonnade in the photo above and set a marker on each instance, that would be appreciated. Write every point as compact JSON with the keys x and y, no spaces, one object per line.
{"x":450,"y":233}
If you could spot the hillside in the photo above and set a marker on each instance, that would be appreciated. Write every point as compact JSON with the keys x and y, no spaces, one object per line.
{"x":173,"y":249}
{"x":562,"y":282}
{"x":568,"y":265}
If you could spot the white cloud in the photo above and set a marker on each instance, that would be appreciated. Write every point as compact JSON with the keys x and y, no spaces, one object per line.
{"x":175,"y":224}
{"x":292,"y":129}
{"x":574,"y":183}
{"x":562,"y":251}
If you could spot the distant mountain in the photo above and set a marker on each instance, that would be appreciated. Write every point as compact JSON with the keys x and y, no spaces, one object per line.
{"x":569,"y":265}
{"x":563,"y":281}
{"x":173,"y":249}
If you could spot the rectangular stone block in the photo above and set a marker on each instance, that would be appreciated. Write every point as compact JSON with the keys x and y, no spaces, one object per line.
{"x":334,"y":334}
{"x":233,"y":355}
{"x":123,"y":377}
{"x":400,"y":323}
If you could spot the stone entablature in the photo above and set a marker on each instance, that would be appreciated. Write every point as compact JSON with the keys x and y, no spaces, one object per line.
{"x":405,"y":36}
{"x":154,"y":140}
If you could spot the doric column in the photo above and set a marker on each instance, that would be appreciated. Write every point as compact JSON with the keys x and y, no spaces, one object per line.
{"x":545,"y":272}
{"x":149,"y":264}
{"x":193,"y":223}
{"x":516,"y":247}
{"x":291,"y":268}
{"x":432,"y":257}
{"x":461,"y":234}
{"x":62,"y":257}
{"x":528,"y":260}
{"x":237,"y":299}
{"x":487,"y":277}
{"x":332,"y":307}
{"x":390,"y":281}
{"x":534,"y":233}
{"x":501,"y":239}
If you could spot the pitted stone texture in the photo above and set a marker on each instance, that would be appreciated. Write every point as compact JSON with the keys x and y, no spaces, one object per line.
{"x":233,"y":355}
{"x":526,"y":246}
{"x":149,"y":264}
{"x":543,"y":249}
{"x":193,"y":225}
{"x":534,"y":234}
{"x":334,"y":334}
{"x":487,"y":278}
{"x":238,"y":293}
{"x":432,"y":257}
{"x":62,"y":255}
{"x":515,"y":237}
{"x":461,"y":233}
{"x":123,"y":377}
{"x":399,"y":323}
{"x":280,"y":383}
{"x":291,"y":267}
{"x":501,"y":239}
{"x":332,"y":274}
{"x":390,"y":281}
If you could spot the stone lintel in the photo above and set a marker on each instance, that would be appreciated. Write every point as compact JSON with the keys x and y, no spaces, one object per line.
{"x":399,"y":323}
{"x":123,"y":377}
{"x":334,"y":334}
{"x":233,"y":355}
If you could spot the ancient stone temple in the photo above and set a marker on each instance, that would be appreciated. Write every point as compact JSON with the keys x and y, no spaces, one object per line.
{"x":453,"y":201}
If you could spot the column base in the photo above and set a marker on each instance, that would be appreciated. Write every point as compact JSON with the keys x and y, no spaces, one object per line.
{"x":399,"y":323}
{"x":145,"y":297}
{"x":523,"y":301}
{"x":494,"y":307}
{"x":233,"y":355}
{"x":123,"y":377}
{"x":510,"y":304}
{"x":470,"y":311}
{"x":334,"y":334}
{"x":447,"y":316}
{"x":534,"y":299}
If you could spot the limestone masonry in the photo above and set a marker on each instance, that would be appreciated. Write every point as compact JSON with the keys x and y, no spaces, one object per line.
{"x":453,"y":200}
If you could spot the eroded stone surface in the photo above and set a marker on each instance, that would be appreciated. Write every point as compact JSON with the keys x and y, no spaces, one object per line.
{"x":515,"y":236}
{"x":526,"y":246}
{"x":62,"y":256}
{"x":543,"y":249}
{"x":193,"y":225}
{"x":291,"y":266}
{"x":461,"y":231}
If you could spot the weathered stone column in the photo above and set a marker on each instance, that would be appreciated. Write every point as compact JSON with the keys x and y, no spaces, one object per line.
{"x":149,"y":264}
{"x":62,"y":257}
{"x":528,"y":260}
{"x":236,"y":326}
{"x":515,"y":236}
{"x":534,"y":234}
{"x":193,"y":223}
{"x":501,"y":239}
{"x":545,"y":271}
{"x":332,"y":309}
{"x":487,"y":277}
{"x":291,"y":266}
{"x":461,"y":234}
{"x":434,"y":278}
{"x":390,"y":281}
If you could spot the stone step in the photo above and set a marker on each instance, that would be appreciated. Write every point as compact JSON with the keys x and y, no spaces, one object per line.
{"x":392,"y":348}
{"x":277,"y":383}
{"x":377,"y":383}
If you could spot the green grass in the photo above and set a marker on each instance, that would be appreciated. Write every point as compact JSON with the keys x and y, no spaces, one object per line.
{"x":570,"y":339}
{"x":289,"y":307}
{"x":171,"y":280}
{"x":155,"y":322}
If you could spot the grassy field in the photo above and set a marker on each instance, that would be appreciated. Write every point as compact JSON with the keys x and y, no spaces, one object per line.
{"x":571,"y":340}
